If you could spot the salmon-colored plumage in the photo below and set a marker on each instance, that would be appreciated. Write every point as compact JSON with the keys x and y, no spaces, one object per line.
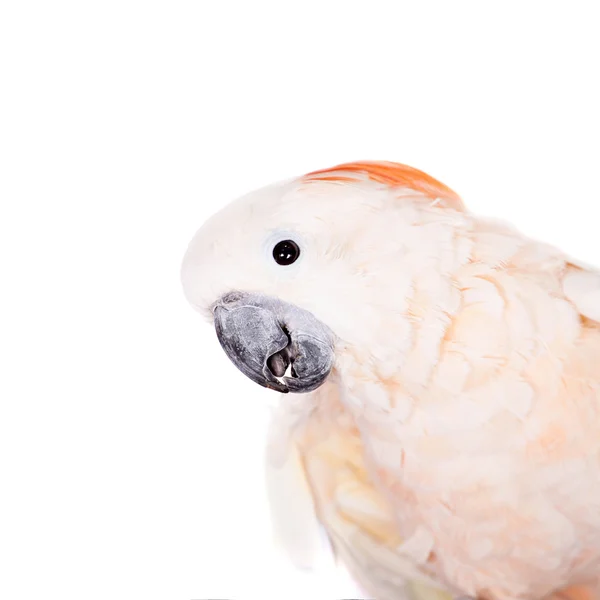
{"x":455,"y":448}
{"x":391,"y":174}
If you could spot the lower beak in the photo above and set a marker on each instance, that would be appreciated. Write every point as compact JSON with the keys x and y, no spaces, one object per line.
{"x":265,"y":336}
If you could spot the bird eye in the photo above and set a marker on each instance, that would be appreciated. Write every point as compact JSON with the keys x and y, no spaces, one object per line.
{"x":286,"y":252}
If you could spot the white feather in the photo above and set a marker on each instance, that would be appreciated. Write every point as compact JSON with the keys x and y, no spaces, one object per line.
{"x":296,"y":529}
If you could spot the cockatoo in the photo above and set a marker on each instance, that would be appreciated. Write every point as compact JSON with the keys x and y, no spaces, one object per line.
{"x":444,"y":422}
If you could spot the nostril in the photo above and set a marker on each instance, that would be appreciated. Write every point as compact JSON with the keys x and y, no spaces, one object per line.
{"x":231,"y":297}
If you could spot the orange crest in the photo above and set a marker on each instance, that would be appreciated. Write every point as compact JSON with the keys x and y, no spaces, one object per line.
{"x":392,"y":174}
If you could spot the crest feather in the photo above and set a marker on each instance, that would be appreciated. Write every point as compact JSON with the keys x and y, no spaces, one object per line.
{"x":391,"y":174}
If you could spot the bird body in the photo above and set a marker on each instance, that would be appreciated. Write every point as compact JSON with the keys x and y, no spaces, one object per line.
{"x":452,"y":446}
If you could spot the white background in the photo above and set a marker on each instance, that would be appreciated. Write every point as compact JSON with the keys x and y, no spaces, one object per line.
{"x":130,"y":448}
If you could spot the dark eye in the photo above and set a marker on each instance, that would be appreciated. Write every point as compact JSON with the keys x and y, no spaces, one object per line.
{"x":286,"y":252}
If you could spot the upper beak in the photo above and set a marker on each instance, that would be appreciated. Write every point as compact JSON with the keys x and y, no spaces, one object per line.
{"x":263,"y":336}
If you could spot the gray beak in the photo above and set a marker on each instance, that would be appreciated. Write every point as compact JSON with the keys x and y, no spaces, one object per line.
{"x":263,"y":336}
